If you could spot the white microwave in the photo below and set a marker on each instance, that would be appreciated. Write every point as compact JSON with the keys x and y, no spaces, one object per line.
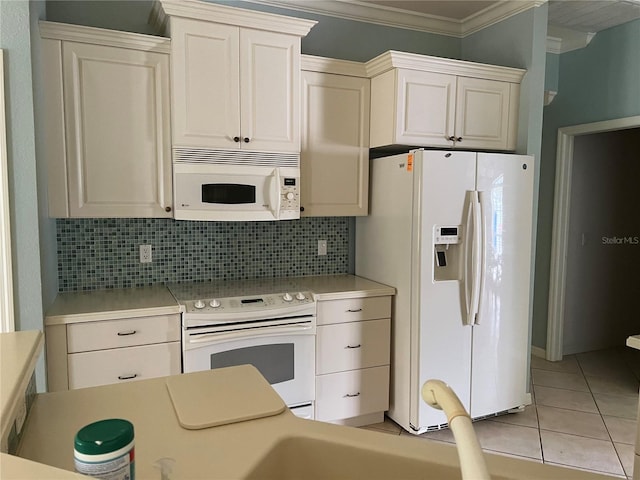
{"x":205,"y":191}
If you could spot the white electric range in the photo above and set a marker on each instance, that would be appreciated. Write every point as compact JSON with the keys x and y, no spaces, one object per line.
{"x":268,"y":324}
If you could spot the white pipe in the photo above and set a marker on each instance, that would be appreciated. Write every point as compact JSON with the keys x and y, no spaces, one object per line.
{"x":438,"y":394}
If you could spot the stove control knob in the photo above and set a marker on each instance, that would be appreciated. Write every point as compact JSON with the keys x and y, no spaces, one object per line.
{"x":215,"y":303}
{"x":300,"y":296}
{"x":199,"y":304}
{"x":287,"y":297}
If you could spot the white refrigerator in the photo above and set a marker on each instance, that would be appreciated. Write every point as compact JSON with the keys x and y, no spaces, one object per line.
{"x":451,"y":231}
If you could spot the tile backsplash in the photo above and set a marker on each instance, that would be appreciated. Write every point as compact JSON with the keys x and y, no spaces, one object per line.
{"x":104,"y":253}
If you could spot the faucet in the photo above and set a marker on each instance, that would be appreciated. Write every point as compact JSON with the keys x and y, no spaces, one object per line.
{"x":439,"y":395}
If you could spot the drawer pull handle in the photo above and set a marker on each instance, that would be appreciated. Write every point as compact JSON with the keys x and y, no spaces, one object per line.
{"x":351,"y":395}
{"x":353,"y":346}
{"x":124,"y":334}
{"x":127,"y":377}
{"x":354,"y":310}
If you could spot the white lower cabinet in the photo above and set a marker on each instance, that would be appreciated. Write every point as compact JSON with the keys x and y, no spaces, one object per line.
{"x":352,"y":394}
{"x":92,"y":353}
{"x":348,"y":346}
{"x":352,"y":360}
{"x":102,"y":367}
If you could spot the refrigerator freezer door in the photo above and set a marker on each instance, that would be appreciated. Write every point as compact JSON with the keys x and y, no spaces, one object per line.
{"x":500,"y":340}
{"x":444,"y":350}
{"x":385,"y":253}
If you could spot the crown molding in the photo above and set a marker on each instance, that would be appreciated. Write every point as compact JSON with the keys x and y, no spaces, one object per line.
{"x":495,"y":14}
{"x":101,"y":36}
{"x":313,"y":63}
{"x":393,"y":59}
{"x":549,"y":95}
{"x":562,"y":40}
{"x":393,"y":17}
{"x":202,"y":10}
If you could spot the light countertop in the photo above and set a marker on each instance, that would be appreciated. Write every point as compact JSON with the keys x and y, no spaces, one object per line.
{"x":94,"y":305}
{"x":242,"y":450}
{"x":18,"y":355}
{"x":334,"y":287}
{"x":71,"y":307}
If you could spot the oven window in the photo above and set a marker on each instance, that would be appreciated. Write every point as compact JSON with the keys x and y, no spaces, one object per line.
{"x":274,"y":361}
{"x":228,"y":193}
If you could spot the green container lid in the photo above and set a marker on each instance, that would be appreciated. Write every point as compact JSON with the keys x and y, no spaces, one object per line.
{"x":104,"y":436}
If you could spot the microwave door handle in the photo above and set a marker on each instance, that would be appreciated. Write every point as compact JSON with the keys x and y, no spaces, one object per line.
{"x":248,"y":333}
{"x":275,"y":194}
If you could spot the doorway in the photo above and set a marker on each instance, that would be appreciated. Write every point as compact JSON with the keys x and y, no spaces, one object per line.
{"x":562,"y":297}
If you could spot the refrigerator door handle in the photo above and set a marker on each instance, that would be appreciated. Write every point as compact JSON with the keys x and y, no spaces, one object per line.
{"x":482,"y":252}
{"x":476,"y":259}
{"x":468,"y":263}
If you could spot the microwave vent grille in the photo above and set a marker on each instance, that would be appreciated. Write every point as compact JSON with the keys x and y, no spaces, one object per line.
{"x":236,"y":157}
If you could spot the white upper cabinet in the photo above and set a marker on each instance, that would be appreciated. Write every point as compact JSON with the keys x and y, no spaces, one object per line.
{"x":106,"y":123}
{"x":435,"y":102}
{"x":334,"y":160}
{"x":235,"y":76}
{"x":205,"y":84}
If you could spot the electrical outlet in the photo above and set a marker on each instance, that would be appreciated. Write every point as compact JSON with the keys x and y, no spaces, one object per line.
{"x":145,"y":254}
{"x":322,"y":247}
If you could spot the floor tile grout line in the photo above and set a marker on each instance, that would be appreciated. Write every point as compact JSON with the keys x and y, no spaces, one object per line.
{"x":602,"y":416}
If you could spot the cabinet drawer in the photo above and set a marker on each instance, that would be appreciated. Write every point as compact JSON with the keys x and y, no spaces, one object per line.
{"x":104,"y":367}
{"x":127,"y":332}
{"x":350,"y":394}
{"x":349,"y":346}
{"x":353,"y":309}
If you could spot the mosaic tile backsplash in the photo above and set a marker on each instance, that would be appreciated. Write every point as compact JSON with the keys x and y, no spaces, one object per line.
{"x":104,"y":253}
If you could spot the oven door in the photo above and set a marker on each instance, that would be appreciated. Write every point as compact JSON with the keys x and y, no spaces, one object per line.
{"x":284,"y":355}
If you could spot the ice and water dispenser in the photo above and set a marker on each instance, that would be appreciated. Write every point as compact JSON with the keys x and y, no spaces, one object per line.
{"x":448,"y":251}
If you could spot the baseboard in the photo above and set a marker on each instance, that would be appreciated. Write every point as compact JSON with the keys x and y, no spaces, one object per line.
{"x":538,"y":352}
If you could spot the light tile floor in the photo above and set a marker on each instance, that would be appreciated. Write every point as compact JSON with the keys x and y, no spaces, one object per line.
{"x":583,"y":415}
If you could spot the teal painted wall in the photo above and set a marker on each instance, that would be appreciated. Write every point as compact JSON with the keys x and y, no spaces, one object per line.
{"x":552,"y":72}
{"x":526,"y":35}
{"x":15,"y":39}
{"x":596,"y":83}
{"x":330,"y":37}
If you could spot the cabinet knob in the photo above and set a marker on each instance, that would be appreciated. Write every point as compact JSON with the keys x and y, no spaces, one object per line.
{"x":236,"y":139}
{"x":302,"y":209}
{"x":458,"y":139}
{"x":246,"y":139}
{"x":167,"y":209}
{"x":451,"y":138}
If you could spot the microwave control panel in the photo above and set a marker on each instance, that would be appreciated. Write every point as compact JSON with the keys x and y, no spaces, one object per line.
{"x":290,"y":193}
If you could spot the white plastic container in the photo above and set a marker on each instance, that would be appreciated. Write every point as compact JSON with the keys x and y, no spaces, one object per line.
{"x":105,"y":450}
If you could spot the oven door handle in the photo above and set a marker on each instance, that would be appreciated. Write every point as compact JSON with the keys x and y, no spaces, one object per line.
{"x":250,"y":332}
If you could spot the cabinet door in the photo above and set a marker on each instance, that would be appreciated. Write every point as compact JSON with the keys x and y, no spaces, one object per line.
{"x":334,"y":159}
{"x":205,"y":83}
{"x":117,"y":124}
{"x":484,"y":114}
{"x":270,"y":90}
{"x":425,"y":108}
